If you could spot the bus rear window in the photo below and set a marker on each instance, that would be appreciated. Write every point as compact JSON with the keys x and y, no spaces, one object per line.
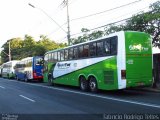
{"x":39,"y":61}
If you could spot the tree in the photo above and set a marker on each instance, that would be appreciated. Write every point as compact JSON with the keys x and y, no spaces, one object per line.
{"x":47,"y":43}
{"x":148,"y":22}
{"x":86,"y":36}
{"x":15,"y":45}
{"x":113,"y":28}
{"x":28,"y":47}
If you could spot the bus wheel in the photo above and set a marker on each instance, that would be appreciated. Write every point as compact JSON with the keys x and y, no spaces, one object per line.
{"x":16,"y":77}
{"x":8,"y":76}
{"x":83,"y":84}
{"x":26,"y":79}
{"x":93,"y":84}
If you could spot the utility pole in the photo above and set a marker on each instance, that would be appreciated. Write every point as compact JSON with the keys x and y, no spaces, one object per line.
{"x":68,"y":21}
{"x":65,"y":4}
{"x":9,"y":51}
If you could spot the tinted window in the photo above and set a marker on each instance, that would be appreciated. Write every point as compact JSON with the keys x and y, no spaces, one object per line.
{"x":59,"y":56}
{"x":75,"y":53}
{"x":62,"y":55}
{"x":114,"y":45}
{"x":46,"y":57}
{"x":107,"y":47}
{"x":93,"y":49}
{"x":70,"y":54}
{"x":66,"y":55}
{"x":100,"y":48}
{"x":86,"y":51}
{"x":38,"y":61}
{"x":55,"y":57}
{"x":49,"y":57}
{"x":52,"y":57}
{"x":80,"y":55}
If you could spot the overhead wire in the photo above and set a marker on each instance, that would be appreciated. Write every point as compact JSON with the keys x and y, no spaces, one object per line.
{"x":96,"y":14}
{"x":105,"y":10}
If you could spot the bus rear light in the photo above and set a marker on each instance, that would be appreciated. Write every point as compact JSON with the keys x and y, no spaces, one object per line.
{"x":123,"y":74}
{"x":34,"y":73}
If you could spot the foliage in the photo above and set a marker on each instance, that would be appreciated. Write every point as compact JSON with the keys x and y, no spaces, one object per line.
{"x":86,"y":36}
{"x":21,"y":48}
{"x":148,"y":22}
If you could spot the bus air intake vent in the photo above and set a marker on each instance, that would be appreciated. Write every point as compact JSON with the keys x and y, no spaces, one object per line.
{"x":109,"y":77}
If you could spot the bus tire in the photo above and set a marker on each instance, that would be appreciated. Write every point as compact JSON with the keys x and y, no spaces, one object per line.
{"x":16,"y":77}
{"x":93,"y":84}
{"x":83,"y":83}
{"x":26,"y":79}
{"x":8,"y":76}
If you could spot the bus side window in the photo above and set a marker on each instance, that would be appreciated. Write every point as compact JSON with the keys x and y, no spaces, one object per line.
{"x":30,"y":63}
{"x":52,"y":57}
{"x":86,"y":50}
{"x":70,"y":54}
{"x":75,"y":53}
{"x":66,"y":54}
{"x":62,"y":55}
{"x":46,"y":58}
{"x":55,"y":57}
{"x":100,"y":48}
{"x":49,"y":57}
{"x":107,"y":47}
{"x":80,"y":55}
{"x":92,"y":48}
{"x":59,"y":55}
{"x":114,"y":46}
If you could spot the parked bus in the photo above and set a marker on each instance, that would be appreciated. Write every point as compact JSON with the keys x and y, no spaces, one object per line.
{"x":117,"y":61}
{"x":156,"y":66}
{"x":29,"y":68}
{"x":0,"y":70}
{"x":8,"y":69}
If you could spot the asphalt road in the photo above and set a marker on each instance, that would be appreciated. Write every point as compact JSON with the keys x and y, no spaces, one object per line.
{"x":20,"y":98}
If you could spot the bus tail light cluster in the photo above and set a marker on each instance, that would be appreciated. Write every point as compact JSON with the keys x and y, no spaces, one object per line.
{"x":34,"y":73}
{"x":123,"y":74}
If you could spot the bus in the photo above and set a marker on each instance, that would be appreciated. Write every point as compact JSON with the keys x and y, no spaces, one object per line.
{"x":29,"y":68}
{"x":0,"y":70}
{"x":156,"y":67}
{"x":8,"y":69}
{"x":118,"y":61}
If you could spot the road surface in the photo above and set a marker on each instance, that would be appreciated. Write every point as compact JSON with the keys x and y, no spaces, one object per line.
{"x":38,"y":99}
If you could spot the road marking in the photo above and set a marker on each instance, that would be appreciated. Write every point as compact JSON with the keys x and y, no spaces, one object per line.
{"x":27,"y":98}
{"x":2,"y":87}
{"x":99,"y":96}
{"x":103,"y":97}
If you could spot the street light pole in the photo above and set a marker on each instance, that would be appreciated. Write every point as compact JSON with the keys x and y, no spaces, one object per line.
{"x":68,"y":33}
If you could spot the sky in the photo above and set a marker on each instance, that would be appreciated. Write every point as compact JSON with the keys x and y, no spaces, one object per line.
{"x":18,"y":18}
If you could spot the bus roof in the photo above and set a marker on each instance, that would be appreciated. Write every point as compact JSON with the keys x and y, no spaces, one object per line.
{"x":12,"y":61}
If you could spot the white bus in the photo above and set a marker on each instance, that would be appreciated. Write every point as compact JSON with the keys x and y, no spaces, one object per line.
{"x":8,"y":69}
